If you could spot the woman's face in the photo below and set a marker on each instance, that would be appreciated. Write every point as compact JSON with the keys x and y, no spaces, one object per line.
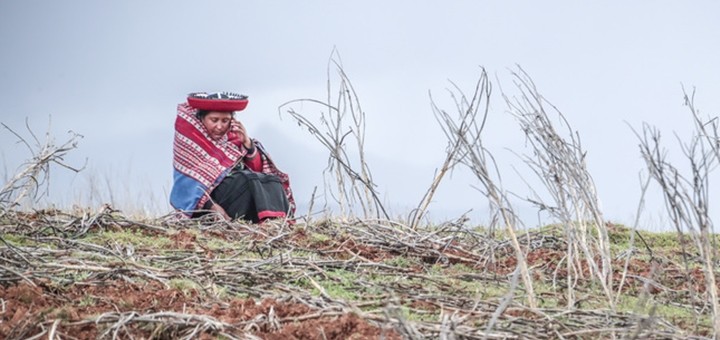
{"x":217,"y":123}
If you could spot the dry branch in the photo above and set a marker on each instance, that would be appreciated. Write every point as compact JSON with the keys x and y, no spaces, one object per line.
{"x":559,"y":163}
{"x":465,"y":146}
{"x":687,"y":196}
{"x":31,"y":181}
{"x":265,"y":262}
{"x":351,"y":173}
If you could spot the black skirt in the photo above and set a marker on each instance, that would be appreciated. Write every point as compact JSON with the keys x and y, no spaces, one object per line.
{"x":249,"y":195}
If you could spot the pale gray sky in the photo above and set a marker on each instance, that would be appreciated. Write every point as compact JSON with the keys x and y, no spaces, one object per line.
{"x":114,"y":72}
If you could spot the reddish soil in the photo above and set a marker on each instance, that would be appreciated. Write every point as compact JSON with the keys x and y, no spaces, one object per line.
{"x":184,"y":240}
{"x":424,"y":305}
{"x":27,"y":310}
{"x":369,"y":252}
{"x":342,"y":248}
{"x":640,"y":272}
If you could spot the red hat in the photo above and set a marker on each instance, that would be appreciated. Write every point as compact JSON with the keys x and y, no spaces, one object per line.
{"x":218,"y":101}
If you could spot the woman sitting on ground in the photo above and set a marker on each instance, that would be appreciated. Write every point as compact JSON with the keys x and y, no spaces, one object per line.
{"x":219,"y":168}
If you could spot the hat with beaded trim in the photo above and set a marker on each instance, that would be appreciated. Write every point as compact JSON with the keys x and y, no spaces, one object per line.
{"x":217,"y":101}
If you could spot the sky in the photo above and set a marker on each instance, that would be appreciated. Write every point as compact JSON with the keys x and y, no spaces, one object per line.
{"x":114,"y":72}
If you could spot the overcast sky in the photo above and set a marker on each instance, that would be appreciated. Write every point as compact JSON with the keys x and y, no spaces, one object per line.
{"x":115,"y":71}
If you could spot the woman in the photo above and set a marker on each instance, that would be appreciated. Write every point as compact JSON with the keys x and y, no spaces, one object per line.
{"x":219,"y":168}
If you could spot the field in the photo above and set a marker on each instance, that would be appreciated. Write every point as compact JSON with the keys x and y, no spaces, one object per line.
{"x":99,"y":274}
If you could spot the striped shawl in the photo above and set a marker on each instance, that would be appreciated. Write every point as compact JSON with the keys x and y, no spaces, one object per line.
{"x":200,"y":163}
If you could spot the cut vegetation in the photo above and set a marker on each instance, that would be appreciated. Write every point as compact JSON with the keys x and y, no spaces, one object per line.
{"x":345,"y":279}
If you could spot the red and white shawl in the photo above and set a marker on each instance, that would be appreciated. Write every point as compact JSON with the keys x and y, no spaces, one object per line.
{"x":200,"y":163}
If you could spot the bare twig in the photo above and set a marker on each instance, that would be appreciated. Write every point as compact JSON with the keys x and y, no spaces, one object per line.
{"x":687,"y":196}
{"x":351,"y":173}
{"x":32,"y":180}
{"x":559,"y":163}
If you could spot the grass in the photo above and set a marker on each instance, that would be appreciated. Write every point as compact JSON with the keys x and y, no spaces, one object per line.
{"x":19,"y":240}
{"x":648,"y":306}
{"x":136,"y":238}
{"x":214,"y":267}
{"x":319,"y":238}
{"x":218,"y":244}
{"x":400,"y":262}
{"x":186,"y":286}
{"x":87,"y":301}
{"x":340,"y":284}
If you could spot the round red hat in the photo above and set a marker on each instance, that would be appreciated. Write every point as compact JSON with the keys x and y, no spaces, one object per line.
{"x":218,"y":101}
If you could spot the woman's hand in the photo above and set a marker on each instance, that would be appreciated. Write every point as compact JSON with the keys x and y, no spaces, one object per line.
{"x":218,"y":209}
{"x":237,"y":127}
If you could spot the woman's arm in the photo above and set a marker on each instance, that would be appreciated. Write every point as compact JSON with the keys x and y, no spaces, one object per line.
{"x":218,"y":209}
{"x":239,"y":137}
{"x":252,"y":159}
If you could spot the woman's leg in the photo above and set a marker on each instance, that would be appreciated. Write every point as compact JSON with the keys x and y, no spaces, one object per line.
{"x":252,"y":196}
{"x":234,"y":196}
{"x":268,"y":196}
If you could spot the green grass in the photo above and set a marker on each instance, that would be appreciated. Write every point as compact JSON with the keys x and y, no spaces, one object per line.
{"x":218,"y":244}
{"x":319,"y":238}
{"x":186,"y":286}
{"x":417,"y":315}
{"x":370,"y":287}
{"x":22,"y":241}
{"x":129,"y":237}
{"x":673,"y":313}
{"x":87,"y":301}
{"x":339,"y":285}
{"x":400,"y":262}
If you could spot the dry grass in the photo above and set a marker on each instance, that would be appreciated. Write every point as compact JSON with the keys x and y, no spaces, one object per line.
{"x":438,"y":282}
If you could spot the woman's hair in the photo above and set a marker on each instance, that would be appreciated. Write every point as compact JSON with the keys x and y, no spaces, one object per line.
{"x":200,"y":114}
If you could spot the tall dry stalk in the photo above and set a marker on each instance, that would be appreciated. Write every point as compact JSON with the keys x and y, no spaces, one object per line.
{"x":465,"y":146}
{"x":351,"y":173}
{"x":559,"y":163}
{"x":31,"y":182}
{"x":687,"y":196}
{"x":453,"y":130}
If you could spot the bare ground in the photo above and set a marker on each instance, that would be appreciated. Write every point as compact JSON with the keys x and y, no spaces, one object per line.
{"x":101,"y":275}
